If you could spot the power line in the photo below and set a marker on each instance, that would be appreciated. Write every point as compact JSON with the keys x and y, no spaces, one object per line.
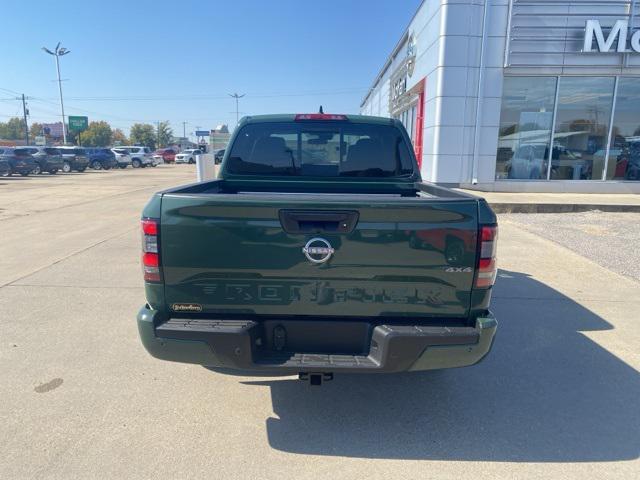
{"x":47,"y":100}
{"x":214,"y":96}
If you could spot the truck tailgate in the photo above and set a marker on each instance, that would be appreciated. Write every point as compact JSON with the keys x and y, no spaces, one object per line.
{"x":404,"y":256}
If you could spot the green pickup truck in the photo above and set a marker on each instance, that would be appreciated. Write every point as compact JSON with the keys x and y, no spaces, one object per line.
{"x":318,"y":250}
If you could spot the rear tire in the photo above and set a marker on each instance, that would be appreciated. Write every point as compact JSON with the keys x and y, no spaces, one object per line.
{"x":96,"y":165}
{"x":135,"y":163}
{"x":66,"y":167}
{"x":37,"y":170}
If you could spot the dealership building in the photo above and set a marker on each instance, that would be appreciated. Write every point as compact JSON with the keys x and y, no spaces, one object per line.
{"x":519,"y":95}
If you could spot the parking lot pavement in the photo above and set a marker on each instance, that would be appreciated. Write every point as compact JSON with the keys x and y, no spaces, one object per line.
{"x":556,"y":398}
{"x":608,"y":238}
{"x":47,"y":218}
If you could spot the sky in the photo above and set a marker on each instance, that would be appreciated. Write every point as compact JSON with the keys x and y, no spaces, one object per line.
{"x":147,"y":61}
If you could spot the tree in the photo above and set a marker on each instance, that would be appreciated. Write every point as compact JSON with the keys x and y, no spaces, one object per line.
{"x":99,"y":134}
{"x":13,"y":129}
{"x":35,"y":129}
{"x":164,"y":134}
{"x":118,"y":136}
{"x":143,"y":134}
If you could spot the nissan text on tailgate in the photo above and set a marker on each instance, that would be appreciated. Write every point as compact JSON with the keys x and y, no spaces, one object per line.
{"x":318,"y":250}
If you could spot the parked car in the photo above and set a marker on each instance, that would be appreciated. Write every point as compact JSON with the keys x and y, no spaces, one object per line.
{"x":19,"y":159}
{"x":218,"y":156}
{"x":188,"y":156}
{"x":48,"y":159}
{"x":74,"y":158}
{"x":5,"y":169}
{"x":167,"y":155}
{"x":140,"y":156}
{"x":313,"y":296}
{"x":101,"y":158}
{"x":123,"y":159}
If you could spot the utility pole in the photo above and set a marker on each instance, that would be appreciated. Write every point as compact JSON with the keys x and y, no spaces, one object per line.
{"x":59,"y":52}
{"x":237,"y":97}
{"x":25,"y":112}
{"x":184,"y":130}
{"x":158,"y":134}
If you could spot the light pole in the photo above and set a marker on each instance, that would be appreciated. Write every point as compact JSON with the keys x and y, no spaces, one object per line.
{"x":59,"y":52}
{"x":236,"y":96}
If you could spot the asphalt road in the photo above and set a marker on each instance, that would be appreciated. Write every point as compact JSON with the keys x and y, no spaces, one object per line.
{"x":80,"y":398}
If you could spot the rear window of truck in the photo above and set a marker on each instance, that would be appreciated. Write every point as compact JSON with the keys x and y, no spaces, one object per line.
{"x":320,"y":149}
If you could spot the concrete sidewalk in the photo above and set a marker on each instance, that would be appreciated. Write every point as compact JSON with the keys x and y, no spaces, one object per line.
{"x":527,"y":202}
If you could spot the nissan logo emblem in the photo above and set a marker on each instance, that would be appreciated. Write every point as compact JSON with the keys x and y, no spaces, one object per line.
{"x":318,"y":250}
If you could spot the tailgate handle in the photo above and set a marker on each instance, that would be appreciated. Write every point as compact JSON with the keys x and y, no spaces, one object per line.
{"x":316,"y":221}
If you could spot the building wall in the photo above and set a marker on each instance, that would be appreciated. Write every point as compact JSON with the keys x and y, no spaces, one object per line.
{"x":464,"y":51}
{"x":547,"y":38}
{"x":448,"y":37}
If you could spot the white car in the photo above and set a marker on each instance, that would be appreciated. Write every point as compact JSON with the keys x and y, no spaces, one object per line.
{"x":188,"y":156}
{"x":140,"y":156}
{"x":122,"y":157}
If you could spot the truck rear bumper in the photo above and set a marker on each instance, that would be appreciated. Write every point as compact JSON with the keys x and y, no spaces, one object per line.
{"x":239,"y":345}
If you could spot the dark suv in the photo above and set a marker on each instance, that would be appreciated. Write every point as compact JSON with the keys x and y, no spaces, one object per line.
{"x":101,"y":158}
{"x":74,"y":158}
{"x":5,"y":169}
{"x":48,"y":159}
{"x":19,"y":159}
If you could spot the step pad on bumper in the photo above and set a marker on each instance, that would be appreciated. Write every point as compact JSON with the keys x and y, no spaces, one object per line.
{"x":315,"y":360}
{"x":190,"y":326}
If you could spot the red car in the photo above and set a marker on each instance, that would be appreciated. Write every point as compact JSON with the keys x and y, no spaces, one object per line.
{"x":168,"y":154}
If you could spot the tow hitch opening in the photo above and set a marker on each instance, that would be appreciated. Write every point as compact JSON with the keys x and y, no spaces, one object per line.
{"x":315,"y":379}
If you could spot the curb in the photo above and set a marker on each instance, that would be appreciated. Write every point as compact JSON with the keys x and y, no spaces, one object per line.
{"x":560,"y":207}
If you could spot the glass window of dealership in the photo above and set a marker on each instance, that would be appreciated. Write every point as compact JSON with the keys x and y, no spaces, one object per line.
{"x":569,"y":128}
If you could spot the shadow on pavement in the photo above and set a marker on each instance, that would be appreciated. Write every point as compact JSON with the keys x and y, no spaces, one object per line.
{"x":546,"y":393}
{"x":14,"y":178}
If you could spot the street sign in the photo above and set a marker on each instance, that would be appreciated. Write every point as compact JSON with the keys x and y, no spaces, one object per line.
{"x":202,"y":133}
{"x":78,"y":124}
{"x":41,"y":140}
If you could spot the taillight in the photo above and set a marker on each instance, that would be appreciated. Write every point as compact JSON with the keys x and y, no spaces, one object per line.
{"x":487,"y":268}
{"x":319,"y":116}
{"x":150,"y":250}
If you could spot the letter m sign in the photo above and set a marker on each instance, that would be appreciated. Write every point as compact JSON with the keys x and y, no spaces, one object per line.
{"x":618,"y":31}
